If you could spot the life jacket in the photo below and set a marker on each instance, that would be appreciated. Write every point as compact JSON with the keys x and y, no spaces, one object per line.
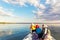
{"x":33,"y":27}
{"x":38,"y":30}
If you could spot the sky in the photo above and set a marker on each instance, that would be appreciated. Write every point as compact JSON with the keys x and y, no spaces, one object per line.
{"x":29,"y":10}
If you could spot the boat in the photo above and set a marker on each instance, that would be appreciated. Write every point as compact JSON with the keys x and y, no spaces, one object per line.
{"x":29,"y":37}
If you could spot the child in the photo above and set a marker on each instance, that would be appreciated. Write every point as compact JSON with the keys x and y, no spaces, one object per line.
{"x":48,"y":36}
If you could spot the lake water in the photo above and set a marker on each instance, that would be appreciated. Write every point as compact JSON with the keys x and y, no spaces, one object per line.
{"x":19,"y":31}
{"x":13,"y":31}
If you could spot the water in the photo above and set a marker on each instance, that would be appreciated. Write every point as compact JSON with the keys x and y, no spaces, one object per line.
{"x":13,"y":31}
{"x":55,"y":30}
{"x":19,"y":31}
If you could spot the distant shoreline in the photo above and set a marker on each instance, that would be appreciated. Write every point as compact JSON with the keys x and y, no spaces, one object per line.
{"x":25,"y":23}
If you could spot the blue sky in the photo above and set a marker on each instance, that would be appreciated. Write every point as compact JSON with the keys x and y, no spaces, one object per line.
{"x":29,"y":10}
{"x":19,"y":11}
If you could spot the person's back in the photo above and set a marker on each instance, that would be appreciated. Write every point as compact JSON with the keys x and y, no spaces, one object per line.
{"x":38,"y":30}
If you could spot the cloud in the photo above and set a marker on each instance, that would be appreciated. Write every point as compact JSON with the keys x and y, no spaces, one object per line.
{"x":35,"y":3}
{"x":11,"y":1}
{"x":51,"y":12}
{"x":22,"y":2}
{"x":48,"y":11}
{"x":16,"y":2}
{"x":6,"y":1}
{"x":56,"y":8}
{"x":4,"y":12}
{"x":41,"y":6}
{"x":52,"y":2}
{"x":47,"y":2}
{"x":6,"y":15}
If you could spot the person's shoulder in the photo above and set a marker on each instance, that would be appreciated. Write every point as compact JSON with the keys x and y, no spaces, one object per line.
{"x":48,"y":29}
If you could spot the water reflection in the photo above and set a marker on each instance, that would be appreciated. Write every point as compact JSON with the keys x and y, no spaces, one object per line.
{"x":10,"y":31}
{"x":19,"y":31}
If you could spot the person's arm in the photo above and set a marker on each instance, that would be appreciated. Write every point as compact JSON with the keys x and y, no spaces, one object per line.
{"x":45,"y":31}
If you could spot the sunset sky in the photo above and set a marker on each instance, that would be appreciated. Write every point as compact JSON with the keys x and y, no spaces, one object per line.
{"x":29,"y":10}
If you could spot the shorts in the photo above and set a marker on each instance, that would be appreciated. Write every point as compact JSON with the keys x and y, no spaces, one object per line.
{"x":33,"y":31}
{"x":40,"y":35}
